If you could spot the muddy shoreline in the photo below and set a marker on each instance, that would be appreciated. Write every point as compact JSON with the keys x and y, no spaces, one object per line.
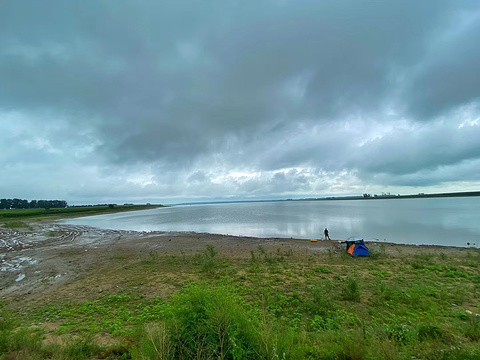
{"x":49,"y":254}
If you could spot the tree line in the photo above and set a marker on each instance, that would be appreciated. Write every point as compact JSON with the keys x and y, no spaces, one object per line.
{"x":33,"y":204}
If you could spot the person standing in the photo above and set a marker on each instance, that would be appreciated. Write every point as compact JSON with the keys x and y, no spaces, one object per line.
{"x":325,"y":232}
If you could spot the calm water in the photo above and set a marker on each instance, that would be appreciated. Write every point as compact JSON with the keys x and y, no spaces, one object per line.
{"x":442,"y":221}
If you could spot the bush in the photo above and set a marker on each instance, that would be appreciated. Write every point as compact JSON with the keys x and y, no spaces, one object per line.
{"x":203,"y":322}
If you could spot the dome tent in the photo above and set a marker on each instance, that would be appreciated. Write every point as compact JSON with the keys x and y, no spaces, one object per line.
{"x":356,"y":246}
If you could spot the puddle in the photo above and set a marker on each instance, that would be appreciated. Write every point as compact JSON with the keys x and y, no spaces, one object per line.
{"x":16,"y":264}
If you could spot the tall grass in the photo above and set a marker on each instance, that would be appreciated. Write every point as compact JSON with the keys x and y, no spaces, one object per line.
{"x":18,"y":342}
{"x":202,"y":323}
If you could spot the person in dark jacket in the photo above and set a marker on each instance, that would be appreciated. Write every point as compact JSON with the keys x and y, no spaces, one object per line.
{"x":325,"y":232}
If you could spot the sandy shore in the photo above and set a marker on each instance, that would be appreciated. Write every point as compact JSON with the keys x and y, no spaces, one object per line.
{"x":48,"y":255}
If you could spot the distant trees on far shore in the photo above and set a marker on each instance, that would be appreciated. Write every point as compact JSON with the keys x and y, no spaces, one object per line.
{"x":33,"y":204}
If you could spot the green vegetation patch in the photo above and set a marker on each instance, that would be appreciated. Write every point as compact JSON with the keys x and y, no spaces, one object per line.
{"x":273,"y":305}
{"x":70,"y":211}
{"x":17,"y":225}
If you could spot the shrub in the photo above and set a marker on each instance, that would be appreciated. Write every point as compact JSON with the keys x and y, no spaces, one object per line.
{"x":351,"y":290}
{"x":203,"y":322}
{"x":209,"y":261}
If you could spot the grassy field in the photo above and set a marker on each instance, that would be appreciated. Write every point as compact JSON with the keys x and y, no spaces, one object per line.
{"x":69,"y":212}
{"x":278,"y":305}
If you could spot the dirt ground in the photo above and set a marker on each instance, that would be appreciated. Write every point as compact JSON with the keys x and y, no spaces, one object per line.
{"x":45,"y":259}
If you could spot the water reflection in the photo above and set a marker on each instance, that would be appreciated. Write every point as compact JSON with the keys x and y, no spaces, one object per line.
{"x":450,"y":221}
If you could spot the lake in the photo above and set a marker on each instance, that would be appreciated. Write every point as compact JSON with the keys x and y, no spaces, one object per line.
{"x":433,"y":221}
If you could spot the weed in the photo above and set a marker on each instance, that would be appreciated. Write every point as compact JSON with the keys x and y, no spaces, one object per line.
{"x":425,"y":257}
{"x":210,"y":251}
{"x":322,"y":269}
{"x":417,"y":265}
{"x":120,"y":257}
{"x":209,"y":261}
{"x":18,"y":343}
{"x":82,"y":348}
{"x":351,"y":290}
{"x":430,"y":332}
{"x":401,"y":334}
{"x":151,"y":259}
{"x":156,"y":343}
{"x":117,"y":300}
{"x":255,"y":265}
{"x":381,"y":274}
{"x":386,"y":293}
{"x":184,"y":257}
{"x":262,"y":251}
{"x":322,"y":298}
{"x":383,"y":249}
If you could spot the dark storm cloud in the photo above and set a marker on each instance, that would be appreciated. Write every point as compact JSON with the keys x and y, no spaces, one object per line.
{"x":419,"y":149}
{"x":447,"y":76}
{"x":198,"y":89}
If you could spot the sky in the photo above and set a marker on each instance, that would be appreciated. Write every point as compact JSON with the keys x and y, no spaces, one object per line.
{"x":173,"y":101}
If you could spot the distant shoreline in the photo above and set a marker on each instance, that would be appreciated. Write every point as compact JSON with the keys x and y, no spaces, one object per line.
{"x":384,"y":196}
{"x":352,"y":197}
{"x":69,"y":212}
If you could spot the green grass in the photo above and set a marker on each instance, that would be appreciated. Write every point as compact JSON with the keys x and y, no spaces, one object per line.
{"x":70,"y":211}
{"x":270,"y":306}
{"x":17,"y":225}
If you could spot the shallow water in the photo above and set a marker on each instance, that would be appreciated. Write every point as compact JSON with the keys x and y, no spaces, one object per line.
{"x":438,"y":221}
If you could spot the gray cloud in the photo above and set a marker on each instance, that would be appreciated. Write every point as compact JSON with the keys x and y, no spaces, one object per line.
{"x":303,"y":97}
{"x":445,"y":77}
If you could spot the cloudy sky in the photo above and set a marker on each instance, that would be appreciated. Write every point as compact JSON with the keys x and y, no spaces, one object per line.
{"x":171,"y":101}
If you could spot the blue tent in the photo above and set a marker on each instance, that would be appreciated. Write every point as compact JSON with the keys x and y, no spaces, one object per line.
{"x":356,"y":247}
